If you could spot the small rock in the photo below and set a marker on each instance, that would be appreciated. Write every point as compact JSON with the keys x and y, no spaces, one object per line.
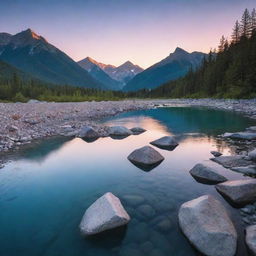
{"x":146,"y":210}
{"x":137,"y":130}
{"x":231,"y":161}
{"x":208,"y":172}
{"x":166,"y":142}
{"x":250,"y":238}
{"x":119,"y":131}
{"x":208,"y":227}
{"x":89,"y":133}
{"x":146,"y":158}
{"x":134,"y":200}
{"x":105,"y":213}
{"x":252,"y":155}
{"x":250,"y":170}
{"x":241,"y":135}
{"x":13,"y":128}
{"x":238,"y":192}
{"x":216,"y":153}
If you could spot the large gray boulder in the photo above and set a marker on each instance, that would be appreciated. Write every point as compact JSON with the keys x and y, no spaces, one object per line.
{"x":206,"y":224}
{"x":87,"y":132}
{"x":241,"y":135}
{"x":238,"y":192}
{"x":137,"y":130}
{"x":104,"y":214}
{"x":119,"y":131}
{"x":146,"y":158}
{"x":252,"y":155}
{"x":166,"y":142}
{"x":208,"y":172}
{"x":232,"y":161}
{"x":250,"y":239}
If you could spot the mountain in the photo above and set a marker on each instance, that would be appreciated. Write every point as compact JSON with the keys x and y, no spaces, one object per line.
{"x":7,"y":72}
{"x":122,"y":73}
{"x":176,"y":65}
{"x":95,"y":70}
{"x":32,"y":54}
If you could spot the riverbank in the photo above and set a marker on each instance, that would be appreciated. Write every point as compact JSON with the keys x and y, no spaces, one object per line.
{"x":22,"y":123}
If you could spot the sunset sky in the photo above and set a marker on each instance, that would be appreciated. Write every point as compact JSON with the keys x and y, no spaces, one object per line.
{"x":114,"y":31}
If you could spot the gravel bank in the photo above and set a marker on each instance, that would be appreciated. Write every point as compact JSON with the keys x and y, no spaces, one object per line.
{"x":23,"y":122}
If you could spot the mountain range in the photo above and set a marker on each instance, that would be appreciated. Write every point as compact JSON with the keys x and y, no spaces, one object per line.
{"x":116,"y":77}
{"x":31,"y":55}
{"x":176,"y":65}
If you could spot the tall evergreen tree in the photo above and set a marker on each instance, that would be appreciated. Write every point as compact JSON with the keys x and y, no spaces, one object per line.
{"x":221,"y":46}
{"x":246,"y":24}
{"x":236,"y":33}
{"x":253,"y":21}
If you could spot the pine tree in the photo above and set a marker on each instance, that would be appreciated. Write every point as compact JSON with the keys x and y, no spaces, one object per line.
{"x":246,"y":24}
{"x":253,"y":22}
{"x":236,"y":33}
{"x":221,"y":46}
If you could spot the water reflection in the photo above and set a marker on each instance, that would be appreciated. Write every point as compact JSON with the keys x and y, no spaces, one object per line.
{"x":45,"y":193}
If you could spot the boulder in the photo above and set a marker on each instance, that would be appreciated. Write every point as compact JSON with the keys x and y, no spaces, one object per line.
{"x":208,"y":172}
{"x":216,"y":153}
{"x":206,"y":224}
{"x":232,"y":161}
{"x":250,"y":238}
{"x":88,"y":133}
{"x":119,"y":131}
{"x":145,"y":158}
{"x":104,"y":214}
{"x":137,"y":130}
{"x":166,"y":142}
{"x":249,"y":170}
{"x":238,"y":192}
{"x":252,"y":155}
{"x":241,"y":135}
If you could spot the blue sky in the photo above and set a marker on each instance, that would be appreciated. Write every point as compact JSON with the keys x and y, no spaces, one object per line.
{"x":113,"y":31}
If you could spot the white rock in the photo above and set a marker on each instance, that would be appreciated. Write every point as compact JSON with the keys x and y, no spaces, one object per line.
{"x":208,"y":227}
{"x":105,"y":213}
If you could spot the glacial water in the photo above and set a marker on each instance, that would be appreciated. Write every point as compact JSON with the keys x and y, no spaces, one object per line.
{"x":45,"y":191}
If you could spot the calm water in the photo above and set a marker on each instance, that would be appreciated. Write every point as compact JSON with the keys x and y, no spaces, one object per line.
{"x":43,"y":194}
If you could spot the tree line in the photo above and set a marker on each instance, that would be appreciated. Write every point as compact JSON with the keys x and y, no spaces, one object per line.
{"x":228,"y":72}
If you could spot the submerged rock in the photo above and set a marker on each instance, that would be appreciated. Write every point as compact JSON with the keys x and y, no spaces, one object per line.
{"x":241,"y":135}
{"x":238,"y":192}
{"x":208,"y":172}
{"x":137,"y":130}
{"x":88,"y":133}
{"x":250,"y":238}
{"x":252,"y":155}
{"x":105,"y":213}
{"x":232,"y":161}
{"x":216,"y":153}
{"x":119,"y":132}
{"x":166,"y":142}
{"x":145,"y":158}
{"x":206,"y":224}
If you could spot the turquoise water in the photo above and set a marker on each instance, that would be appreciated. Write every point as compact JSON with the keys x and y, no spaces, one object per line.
{"x":46,"y":190}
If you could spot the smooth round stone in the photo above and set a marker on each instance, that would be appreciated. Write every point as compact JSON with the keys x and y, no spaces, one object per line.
{"x":250,"y":239}
{"x":130,"y":251}
{"x":160,"y":241}
{"x":164,"y":225}
{"x":146,"y":210}
{"x":146,"y":247}
{"x":133,"y":200}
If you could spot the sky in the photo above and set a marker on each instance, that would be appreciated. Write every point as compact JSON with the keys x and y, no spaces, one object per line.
{"x":114,"y":31}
